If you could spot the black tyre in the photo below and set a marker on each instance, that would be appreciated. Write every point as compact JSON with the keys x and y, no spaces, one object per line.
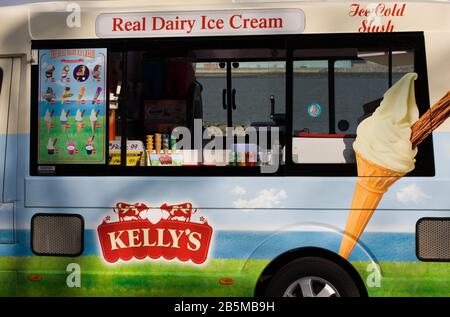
{"x":312,"y":277}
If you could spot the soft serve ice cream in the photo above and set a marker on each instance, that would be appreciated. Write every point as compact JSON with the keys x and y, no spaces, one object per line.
{"x":384,"y":153}
{"x":50,"y":146}
{"x":79,"y":120}
{"x":384,"y":138}
{"x":93,"y":116}
{"x":63,"y":118}
{"x":48,"y":120}
{"x":93,"y":119}
{"x":78,"y":116}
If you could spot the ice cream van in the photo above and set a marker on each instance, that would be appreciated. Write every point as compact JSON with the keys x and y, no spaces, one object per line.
{"x":225,"y":148}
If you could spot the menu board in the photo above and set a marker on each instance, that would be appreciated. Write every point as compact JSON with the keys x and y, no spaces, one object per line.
{"x":72,"y":106}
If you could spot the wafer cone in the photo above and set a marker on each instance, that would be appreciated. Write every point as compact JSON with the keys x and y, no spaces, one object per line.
{"x":93,"y":123}
{"x":149,"y":143}
{"x":373,"y":181}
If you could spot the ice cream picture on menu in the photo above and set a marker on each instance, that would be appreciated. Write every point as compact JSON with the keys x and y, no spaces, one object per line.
{"x":72,"y":106}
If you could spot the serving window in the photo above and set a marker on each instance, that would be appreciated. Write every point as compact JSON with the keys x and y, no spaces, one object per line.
{"x":198,"y":108}
{"x":331,"y":97}
{"x":231,"y":106}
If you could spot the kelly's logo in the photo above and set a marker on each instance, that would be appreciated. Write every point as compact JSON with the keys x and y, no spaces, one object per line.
{"x":142,"y":232}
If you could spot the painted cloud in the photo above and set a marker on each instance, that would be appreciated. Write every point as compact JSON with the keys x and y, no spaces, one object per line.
{"x":238,"y":190}
{"x":266,"y":198}
{"x":411,"y":194}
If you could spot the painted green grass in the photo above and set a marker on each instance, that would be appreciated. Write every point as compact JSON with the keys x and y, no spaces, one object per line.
{"x":410,"y":279}
{"x":71,"y":134}
{"x":133,"y":279}
{"x":176,"y":279}
{"x":8,"y":283}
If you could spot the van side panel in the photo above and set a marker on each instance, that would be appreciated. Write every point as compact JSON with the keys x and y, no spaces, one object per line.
{"x":254,"y":220}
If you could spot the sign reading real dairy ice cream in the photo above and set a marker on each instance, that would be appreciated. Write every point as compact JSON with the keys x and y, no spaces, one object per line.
{"x":200,"y":23}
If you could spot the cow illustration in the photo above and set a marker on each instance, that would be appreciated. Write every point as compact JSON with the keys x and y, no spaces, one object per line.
{"x":128,"y":210}
{"x":179,"y":211}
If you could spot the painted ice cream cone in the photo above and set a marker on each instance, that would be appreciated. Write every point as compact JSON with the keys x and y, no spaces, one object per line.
{"x":385,"y":147}
{"x":384,"y":154}
{"x":373,"y":181}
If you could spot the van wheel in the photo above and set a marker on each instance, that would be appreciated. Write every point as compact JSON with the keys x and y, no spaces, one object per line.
{"x":312,"y":277}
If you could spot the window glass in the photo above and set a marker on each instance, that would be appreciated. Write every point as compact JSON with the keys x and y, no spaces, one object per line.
{"x":359,"y":87}
{"x":325,"y":132}
{"x":179,"y":108}
{"x":158,"y":98}
{"x":255,"y":83}
{"x":402,"y":63}
{"x":310,"y":108}
{"x":310,"y":97}
{"x":210,"y":85}
{"x":196,"y":105}
{"x":258,"y":103}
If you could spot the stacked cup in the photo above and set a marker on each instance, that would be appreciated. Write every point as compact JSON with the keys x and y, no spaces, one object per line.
{"x":149,"y":143}
{"x":165,"y":143}
{"x":158,"y":142}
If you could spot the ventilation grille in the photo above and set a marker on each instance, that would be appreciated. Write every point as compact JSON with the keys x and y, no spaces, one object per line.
{"x":433,"y":239}
{"x":57,"y":234}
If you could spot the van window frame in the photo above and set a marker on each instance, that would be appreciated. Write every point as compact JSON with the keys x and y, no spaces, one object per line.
{"x":1,"y":79}
{"x":373,"y":41}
